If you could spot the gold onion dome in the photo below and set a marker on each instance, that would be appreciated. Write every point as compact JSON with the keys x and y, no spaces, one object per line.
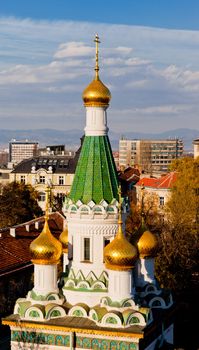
{"x":96,"y":93}
{"x":64,"y":239}
{"x":147,"y":244}
{"x":120,"y":254}
{"x":45,"y":249}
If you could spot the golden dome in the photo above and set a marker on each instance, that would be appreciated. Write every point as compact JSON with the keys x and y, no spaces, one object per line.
{"x":45,"y":249}
{"x":147,"y":245}
{"x":119,"y":254}
{"x":64,"y":239}
{"x":96,"y":93}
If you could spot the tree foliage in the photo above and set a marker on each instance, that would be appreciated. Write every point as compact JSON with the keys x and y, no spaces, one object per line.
{"x":149,"y":209}
{"x":176,"y":264}
{"x":18,"y":204}
{"x":183,"y":205}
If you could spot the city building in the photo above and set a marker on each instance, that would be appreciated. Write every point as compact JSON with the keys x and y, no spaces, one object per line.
{"x":55,"y":150}
{"x":158,"y":189}
{"x":150,"y":155}
{"x":4,"y":175}
{"x":20,"y":150}
{"x":57,"y":172}
{"x":196,"y":148}
{"x":3,"y":157}
{"x":107,"y":297}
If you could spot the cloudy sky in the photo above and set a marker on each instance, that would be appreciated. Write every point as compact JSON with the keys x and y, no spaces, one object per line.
{"x":149,"y":58}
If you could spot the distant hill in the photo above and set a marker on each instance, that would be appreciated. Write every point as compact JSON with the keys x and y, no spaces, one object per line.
{"x":71,"y":138}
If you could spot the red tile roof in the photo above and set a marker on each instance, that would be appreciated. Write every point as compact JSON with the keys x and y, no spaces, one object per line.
{"x":14,"y":251}
{"x":129,"y":174}
{"x":164,"y":182}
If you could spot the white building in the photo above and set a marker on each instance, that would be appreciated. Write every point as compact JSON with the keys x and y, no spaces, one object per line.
{"x":158,"y":189}
{"x":150,"y":155}
{"x":20,"y":150}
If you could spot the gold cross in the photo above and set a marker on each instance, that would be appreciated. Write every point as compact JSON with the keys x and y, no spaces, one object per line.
{"x":120,"y":198}
{"x":97,"y":41}
{"x":48,"y":190}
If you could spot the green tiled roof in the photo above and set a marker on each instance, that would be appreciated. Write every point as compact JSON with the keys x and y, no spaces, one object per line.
{"x":96,"y":176}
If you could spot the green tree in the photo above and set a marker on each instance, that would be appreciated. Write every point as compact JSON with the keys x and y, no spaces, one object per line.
{"x":18,"y":204}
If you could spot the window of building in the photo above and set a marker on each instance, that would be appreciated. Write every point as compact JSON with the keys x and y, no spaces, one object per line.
{"x":86,"y":249}
{"x":42,"y":179}
{"x":23,"y":179}
{"x":161,"y":201}
{"x":42,"y":197}
{"x":61,"y":180}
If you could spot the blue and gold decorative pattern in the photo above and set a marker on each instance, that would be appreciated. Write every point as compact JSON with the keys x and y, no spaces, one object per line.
{"x":64,"y":341}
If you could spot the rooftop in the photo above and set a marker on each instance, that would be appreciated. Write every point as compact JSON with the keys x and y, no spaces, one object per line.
{"x":14,"y":250}
{"x":164,"y":182}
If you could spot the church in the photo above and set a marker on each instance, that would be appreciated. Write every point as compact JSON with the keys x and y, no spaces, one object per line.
{"x":107,"y":297}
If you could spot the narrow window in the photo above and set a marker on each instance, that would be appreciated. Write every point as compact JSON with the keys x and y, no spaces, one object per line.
{"x":23,"y":179}
{"x":42,"y":197}
{"x":161,"y":201}
{"x":86,"y":249}
{"x":61,"y":180}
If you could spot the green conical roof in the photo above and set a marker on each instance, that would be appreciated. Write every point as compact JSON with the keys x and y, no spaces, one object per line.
{"x":96,"y":176}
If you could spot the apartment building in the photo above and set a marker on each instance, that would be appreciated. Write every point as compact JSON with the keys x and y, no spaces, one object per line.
{"x":20,"y":150}
{"x":149,"y":155}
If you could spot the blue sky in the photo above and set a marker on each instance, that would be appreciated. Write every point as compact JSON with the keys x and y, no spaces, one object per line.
{"x":149,"y":58}
{"x":159,"y":13}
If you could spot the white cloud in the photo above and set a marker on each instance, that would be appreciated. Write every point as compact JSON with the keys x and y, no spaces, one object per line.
{"x":73,"y":49}
{"x":152,"y":73}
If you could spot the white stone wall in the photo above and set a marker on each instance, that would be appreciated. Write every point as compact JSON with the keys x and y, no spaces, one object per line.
{"x":97,"y":230}
{"x":45,"y":279}
{"x":120,"y":285}
{"x":96,"y":121}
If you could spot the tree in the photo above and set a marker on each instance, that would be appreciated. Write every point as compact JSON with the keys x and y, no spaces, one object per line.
{"x":18,"y":204}
{"x":176,"y":264}
{"x":152,"y":217}
{"x":183,"y":205}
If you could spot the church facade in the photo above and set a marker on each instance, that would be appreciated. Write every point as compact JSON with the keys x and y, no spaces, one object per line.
{"x":107,"y":297}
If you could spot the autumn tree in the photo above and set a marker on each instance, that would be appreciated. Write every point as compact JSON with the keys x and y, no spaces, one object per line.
{"x":18,"y":204}
{"x":176,"y":264}
{"x":147,"y":208}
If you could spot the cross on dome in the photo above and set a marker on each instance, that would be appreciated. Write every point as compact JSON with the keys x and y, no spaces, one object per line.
{"x":97,"y":41}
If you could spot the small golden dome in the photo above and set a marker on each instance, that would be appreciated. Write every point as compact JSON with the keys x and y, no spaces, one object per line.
{"x":45,"y":249}
{"x":96,"y":94}
{"x":119,"y":254}
{"x":64,"y":239}
{"x":147,"y":245}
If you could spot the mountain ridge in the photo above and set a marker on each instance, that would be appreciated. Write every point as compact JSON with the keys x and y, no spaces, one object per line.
{"x":71,"y":138}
